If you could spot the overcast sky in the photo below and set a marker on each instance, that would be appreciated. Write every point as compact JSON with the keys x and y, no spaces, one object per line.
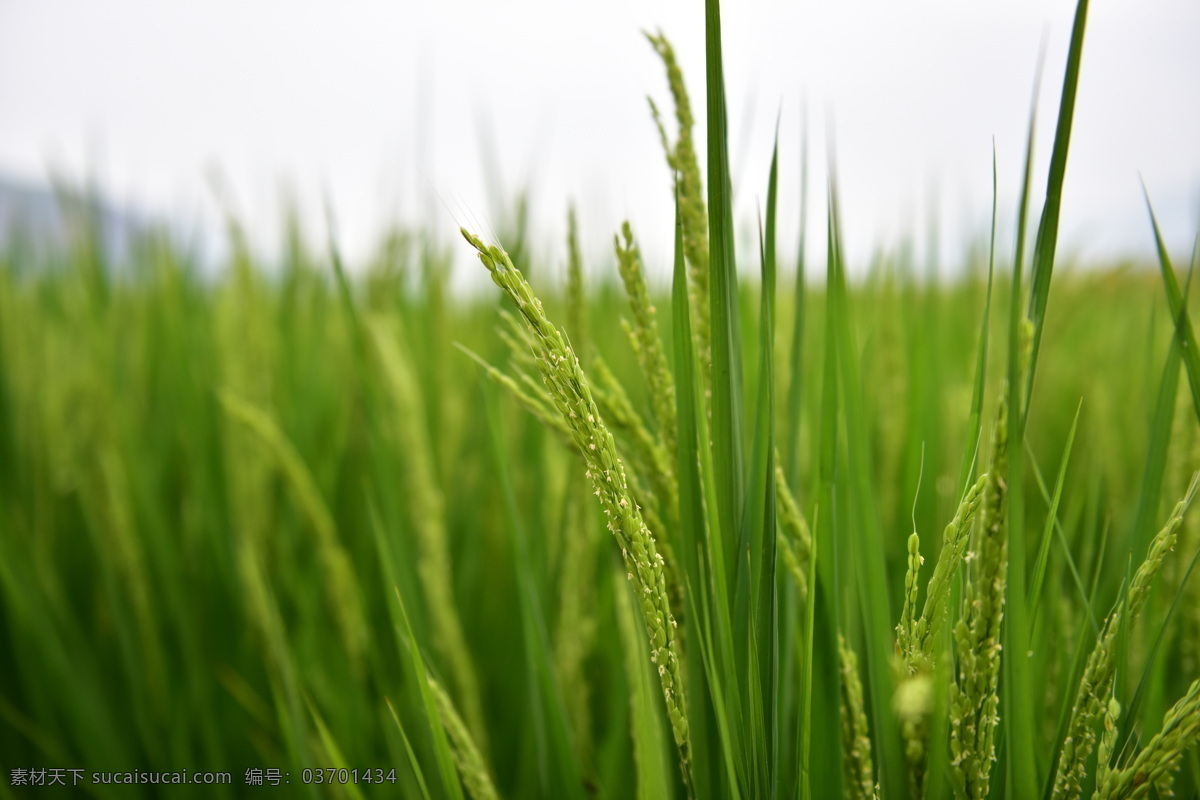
{"x":385,"y":105}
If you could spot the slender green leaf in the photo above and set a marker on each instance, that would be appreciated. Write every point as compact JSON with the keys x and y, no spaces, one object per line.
{"x":1039,"y":572}
{"x":728,"y":448}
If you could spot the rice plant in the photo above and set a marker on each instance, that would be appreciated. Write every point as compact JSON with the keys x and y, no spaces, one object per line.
{"x":360,"y":536}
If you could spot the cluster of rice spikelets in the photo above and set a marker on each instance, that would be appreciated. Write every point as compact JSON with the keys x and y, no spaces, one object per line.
{"x":795,"y":537}
{"x":643,"y":336}
{"x":1096,"y":684}
{"x":645,"y":449}
{"x":918,"y":641}
{"x":917,"y":638}
{"x":974,"y":702}
{"x":693,"y":212}
{"x":571,"y":394}
{"x":471,"y":766}
{"x":1158,"y":760}
{"x":856,"y":736}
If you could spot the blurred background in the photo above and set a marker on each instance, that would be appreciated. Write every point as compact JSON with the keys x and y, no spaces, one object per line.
{"x":238,"y":513}
{"x":439,"y":114}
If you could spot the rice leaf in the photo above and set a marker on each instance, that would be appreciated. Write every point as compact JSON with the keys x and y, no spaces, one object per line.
{"x":796,"y":371}
{"x":1177,"y":300}
{"x":727,"y":437}
{"x":1043,"y":556}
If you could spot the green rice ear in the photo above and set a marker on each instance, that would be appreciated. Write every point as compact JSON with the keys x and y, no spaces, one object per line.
{"x":572,"y":395}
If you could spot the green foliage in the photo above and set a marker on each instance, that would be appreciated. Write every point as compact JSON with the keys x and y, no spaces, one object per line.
{"x":272,"y":517}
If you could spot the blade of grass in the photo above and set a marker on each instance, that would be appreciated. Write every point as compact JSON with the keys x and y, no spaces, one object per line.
{"x":757,"y":584}
{"x":1039,"y":572}
{"x":1160,"y":429}
{"x":441,"y":745}
{"x":408,"y":749}
{"x":826,"y":756}
{"x":728,"y":448}
{"x":1019,"y":733}
{"x":705,"y":765}
{"x":867,"y":546}
{"x":975,"y":420}
{"x":796,"y":384}
{"x":1057,"y":527}
{"x":1178,"y":303}
{"x":1047,"y":234}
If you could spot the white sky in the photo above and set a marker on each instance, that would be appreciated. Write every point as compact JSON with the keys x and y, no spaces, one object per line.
{"x":383,"y":105}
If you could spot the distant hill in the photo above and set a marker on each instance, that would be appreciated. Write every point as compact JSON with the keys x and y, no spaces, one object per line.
{"x":44,"y":216}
